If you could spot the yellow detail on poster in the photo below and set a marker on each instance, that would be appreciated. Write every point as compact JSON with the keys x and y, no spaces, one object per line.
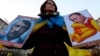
{"x":82,"y":28}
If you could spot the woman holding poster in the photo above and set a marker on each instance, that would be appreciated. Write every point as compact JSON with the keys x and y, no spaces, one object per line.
{"x":50,"y":37}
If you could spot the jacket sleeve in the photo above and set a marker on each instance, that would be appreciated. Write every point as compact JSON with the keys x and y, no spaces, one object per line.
{"x":77,"y":52}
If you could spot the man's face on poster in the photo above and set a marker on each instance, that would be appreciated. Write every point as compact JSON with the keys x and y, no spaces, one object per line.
{"x":77,"y":18}
{"x":17,"y":29}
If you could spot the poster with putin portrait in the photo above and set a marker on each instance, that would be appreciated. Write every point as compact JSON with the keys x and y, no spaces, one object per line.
{"x":17,"y":32}
{"x":82,"y":28}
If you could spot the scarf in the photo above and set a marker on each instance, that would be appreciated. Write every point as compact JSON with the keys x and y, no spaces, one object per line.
{"x":57,"y":20}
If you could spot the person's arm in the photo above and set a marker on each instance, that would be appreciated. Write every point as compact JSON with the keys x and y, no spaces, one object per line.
{"x":89,"y":45}
{"x":30,"y":42}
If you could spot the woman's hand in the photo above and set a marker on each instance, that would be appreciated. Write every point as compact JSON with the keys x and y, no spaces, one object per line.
{"x":11,"y":47}
{"x":91,"y":45}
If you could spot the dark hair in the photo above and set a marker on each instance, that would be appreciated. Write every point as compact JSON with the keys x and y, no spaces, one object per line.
{"x":43,"y":6}
{"x":76,"y":13}
{"x":26,"y":22}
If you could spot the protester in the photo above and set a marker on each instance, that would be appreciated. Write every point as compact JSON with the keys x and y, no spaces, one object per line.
{"x":50,"y":37}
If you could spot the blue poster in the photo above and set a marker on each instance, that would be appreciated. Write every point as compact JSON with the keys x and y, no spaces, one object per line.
{"x":17,"y":32}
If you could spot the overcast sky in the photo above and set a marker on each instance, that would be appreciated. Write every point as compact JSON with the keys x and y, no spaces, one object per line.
{"x":9,"y":9}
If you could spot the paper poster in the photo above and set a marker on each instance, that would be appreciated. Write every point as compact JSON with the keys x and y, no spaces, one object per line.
{"x":17,"y":32}
{"x":82,"y":28}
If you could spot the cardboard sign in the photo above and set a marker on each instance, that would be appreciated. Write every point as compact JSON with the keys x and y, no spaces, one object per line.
{"x":17,"y":32}
{"x":82,"y":28}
